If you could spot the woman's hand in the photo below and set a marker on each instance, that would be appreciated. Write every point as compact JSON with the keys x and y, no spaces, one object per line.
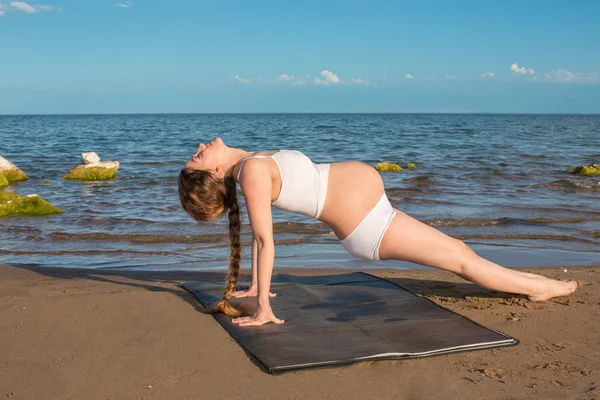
{"x":251,"y":292}
{"x":260,"y":318}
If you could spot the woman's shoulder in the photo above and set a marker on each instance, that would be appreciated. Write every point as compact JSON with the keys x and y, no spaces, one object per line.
{"x":252,"y":162}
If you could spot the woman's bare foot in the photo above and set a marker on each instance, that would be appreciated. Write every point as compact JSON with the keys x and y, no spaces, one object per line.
{"x":527,"y":274}
{"x":552,"y":288}
{"x":251,"y":292}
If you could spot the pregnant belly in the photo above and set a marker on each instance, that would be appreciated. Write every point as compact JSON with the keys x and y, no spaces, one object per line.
{"x":353,"y":189}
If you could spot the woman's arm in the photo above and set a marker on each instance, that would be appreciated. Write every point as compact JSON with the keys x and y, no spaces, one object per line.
{"x":253,"y":290}
{"x":256,"y":187}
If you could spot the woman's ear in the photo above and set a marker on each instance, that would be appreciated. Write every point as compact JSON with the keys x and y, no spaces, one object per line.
{"x":219,"y":171}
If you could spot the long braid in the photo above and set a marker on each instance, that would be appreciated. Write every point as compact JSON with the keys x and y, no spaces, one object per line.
{"x":234,"y":237}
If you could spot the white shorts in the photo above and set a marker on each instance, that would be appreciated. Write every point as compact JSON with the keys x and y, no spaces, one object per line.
{"x":365,"y":239}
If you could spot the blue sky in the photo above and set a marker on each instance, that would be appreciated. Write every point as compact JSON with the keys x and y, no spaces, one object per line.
{"x":97,"y":56}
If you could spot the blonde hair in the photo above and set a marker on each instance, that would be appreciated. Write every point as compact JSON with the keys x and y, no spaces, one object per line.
{"x":205,"y":197}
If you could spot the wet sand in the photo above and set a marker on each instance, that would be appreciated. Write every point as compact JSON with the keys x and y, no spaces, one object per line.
{"x":89,"y":334}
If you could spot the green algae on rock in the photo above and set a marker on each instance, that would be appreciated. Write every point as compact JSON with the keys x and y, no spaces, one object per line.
{"x":34,"y":205}
{"x":11,"y":172}
{"x":3,"y":181}
{"x":386,"y":166}
{"x":85,"y":173}
{"x":93,"y":169}
{"x":411,"y":165}
{"x":585,"y":170}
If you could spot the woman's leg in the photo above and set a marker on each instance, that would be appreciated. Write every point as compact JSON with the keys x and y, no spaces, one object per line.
{"x":410,"y":240}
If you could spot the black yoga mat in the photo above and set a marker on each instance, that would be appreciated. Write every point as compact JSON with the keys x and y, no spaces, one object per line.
{"x":340,"y":319}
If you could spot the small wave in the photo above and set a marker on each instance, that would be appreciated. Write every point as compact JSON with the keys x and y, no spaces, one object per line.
{"x":571,"y":220}
{"x":139,"y":239}
{"x":85,"y":252}
{"x":21,"y":232}
{"x":301,"y":228}
{"x":572,"y":186}
{"x":168,"y":182}
{"x":467,"y":222}
{"x":140,"y":130}
{"x":462,"y":130}
{"x":536,"y":156}
{"x":300,"y":240}
{"x":564,"y":238}
{"x":421,"y":180}
{"x":116,"y":221}
{"x":400,"y":191}
{"x":161,"y":163}
{"x":325,"y":127}
{"x":22,"y":229}
{"x":399,"y":202}
{"x":506,"y":221}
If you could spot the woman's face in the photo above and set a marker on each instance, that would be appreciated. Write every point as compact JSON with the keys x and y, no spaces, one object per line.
{"x":208,"y":156}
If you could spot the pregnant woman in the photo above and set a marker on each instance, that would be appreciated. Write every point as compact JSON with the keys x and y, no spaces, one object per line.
{"x":349,"y":197}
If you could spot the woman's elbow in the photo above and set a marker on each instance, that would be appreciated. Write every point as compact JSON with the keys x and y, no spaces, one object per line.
{"x":262,"y":241}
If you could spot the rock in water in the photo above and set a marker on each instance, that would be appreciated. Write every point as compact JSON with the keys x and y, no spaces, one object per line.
{"x":3,"y":181}
{"x":585,"y":170}
{"x":11,"y":204}
{"x":385,"y":166}
{"x":11,"y":172}
{"x":90,"y":158}
{"x":93,"y":169}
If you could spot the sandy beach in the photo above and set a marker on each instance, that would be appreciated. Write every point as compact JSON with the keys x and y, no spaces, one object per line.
{"x":89,"y":334}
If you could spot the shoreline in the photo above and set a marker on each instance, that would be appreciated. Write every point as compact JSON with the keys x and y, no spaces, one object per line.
{"x":89,"y":333}
{"x":289,"y":257}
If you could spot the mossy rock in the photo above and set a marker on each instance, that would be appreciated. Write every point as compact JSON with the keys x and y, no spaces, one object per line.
{"x":11,"y":204}
{"x":14,"y":175}
{"x":11,"y":172}
{"x":385,"y":166}
{"x":411,"y":165}
{"x":3,"y":181}
{"x":585,"y":170}
{"x":83,"y":173}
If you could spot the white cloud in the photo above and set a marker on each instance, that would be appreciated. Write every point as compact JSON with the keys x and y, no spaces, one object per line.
{"x":41,"y":7}
{"x":30,"y":9}
{"x":282,"y":78}
{"x":450,"y":77}
{"x":22,"y":6}
{"x":359,"y":81}
{"x":488,"y":75}
{"x":289,"y":78}
{"x":325,"y":78}
{"x":2,"y":13}
{"x":562,"y":75}
{"x":127,"y":4}
{"x":243,"y":80}
{"x":409,"y":76}
{"x":329,"y":76}
{"x":522,"y":70}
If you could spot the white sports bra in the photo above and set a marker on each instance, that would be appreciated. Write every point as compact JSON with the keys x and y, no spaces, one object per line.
{"x":303,"y":183}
